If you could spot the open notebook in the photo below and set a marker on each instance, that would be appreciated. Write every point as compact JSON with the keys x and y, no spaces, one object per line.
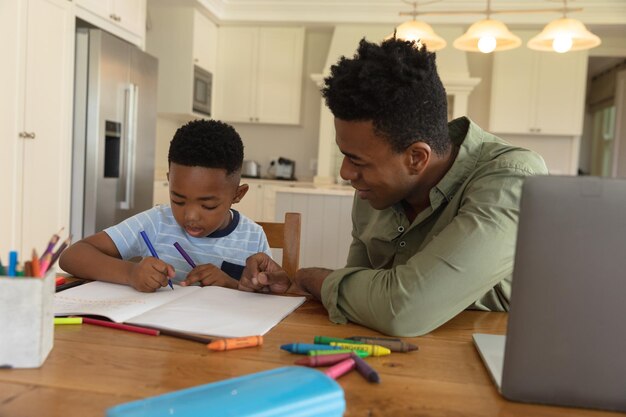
{"x":565,"y":341}
{"x":213,"y":311}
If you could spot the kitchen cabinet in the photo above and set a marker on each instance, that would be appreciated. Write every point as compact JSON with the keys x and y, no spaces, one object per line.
{"x":259,"y":203}
{"x":123,"y":18}
{"x":259,"y":74}
{"x":538,"y":93}
{"x":181,"y":37}
{"x":36,"y":80}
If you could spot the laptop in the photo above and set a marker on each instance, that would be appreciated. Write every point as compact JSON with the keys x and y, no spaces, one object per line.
{"x":566,"y":337}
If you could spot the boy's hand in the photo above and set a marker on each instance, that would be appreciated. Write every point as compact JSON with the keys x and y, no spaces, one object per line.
{"x":263,"y":274}
{"x":150,"y":274}
{"x":209,"y":274}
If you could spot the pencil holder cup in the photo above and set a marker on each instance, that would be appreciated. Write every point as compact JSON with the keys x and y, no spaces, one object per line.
{"x":26,"y":320}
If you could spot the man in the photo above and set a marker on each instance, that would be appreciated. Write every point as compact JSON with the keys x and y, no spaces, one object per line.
{"x":436,"y":205}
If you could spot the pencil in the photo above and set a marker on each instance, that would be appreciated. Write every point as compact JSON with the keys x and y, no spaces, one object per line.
{"x":153,"y":252}
{"x":61,"y":248}
{"x":120,"y":326}
{"x":43,"y":268}
{"x":69,"y":285}
{"x":181,"y":335}
{"x":53,"y":241}
{"x":35,"y":264}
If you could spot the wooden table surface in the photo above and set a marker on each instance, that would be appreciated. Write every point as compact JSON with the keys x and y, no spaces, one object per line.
{"x":92,"y":368}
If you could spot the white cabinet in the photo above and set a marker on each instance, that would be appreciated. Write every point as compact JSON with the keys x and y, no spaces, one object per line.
{"x":538,"y":93}
{"x":124,"y":18}
{"x":181,"y":37}
{"x":36,"y":80}
{"x":259,"y":77}
{"x":259,"y":203}
{"x":161,"y":193}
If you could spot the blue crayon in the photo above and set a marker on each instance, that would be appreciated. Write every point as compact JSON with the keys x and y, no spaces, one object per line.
{"x":304,"y":348}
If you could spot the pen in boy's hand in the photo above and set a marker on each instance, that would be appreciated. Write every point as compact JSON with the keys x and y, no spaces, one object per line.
{"x":153,"y":252}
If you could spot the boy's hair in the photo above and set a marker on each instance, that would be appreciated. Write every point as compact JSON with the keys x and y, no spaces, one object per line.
{"x":396,"y":86}
{"x":207,"y":143}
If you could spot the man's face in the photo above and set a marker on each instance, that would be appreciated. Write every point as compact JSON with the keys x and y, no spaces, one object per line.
{"x":201,"y":198}
{"x":379,"y":174}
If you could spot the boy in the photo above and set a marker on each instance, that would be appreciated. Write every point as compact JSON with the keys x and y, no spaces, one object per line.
{"x":205,"y":159}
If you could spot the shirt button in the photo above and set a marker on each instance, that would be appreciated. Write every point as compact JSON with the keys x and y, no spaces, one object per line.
{"x":402,"y":244}
{"x":401,"y":229}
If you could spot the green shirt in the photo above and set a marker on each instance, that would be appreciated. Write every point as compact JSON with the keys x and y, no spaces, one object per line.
{"x":406,"y":278}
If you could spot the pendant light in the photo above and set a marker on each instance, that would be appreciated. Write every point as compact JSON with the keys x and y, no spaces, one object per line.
{"x":422,"y":32}
{"x":563,"y":35}
{"x":487,"y":35}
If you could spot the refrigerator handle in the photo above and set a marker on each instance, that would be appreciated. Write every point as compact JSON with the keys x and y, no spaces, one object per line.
{"x":131,"y":141}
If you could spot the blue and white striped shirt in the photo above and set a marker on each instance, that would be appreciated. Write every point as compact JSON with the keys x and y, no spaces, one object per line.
{"x":233,"y":245}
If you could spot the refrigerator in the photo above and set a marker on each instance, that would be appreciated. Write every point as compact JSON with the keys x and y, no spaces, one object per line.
{"x":114,"y":131}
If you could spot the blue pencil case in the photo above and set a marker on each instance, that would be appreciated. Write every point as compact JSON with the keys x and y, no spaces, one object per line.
{"x":293,"y":391}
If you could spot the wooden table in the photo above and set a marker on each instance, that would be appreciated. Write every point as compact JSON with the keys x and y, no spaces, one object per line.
{"x":92,"y":368}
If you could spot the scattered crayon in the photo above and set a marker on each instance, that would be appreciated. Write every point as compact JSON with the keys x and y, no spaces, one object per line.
{"x":325,"y":340}
{"x":304,"y":348}
{"x":361,"y":353}
{"x":340,"y":368}
{"x":235,"y":343}
{"x":68,"y":320}
{"x":359,"y":338}
{"x":323,"y":360}
{"x":373,"y":350}
{"x":395,"y":345}
{"x":364,"y":369}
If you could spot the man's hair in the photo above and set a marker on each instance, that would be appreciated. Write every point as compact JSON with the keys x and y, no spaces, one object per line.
{"x":396,"y":86}
{"x":207,"y":143}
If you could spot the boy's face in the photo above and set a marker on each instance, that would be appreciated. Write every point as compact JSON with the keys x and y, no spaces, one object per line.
{"x":201,"y":198}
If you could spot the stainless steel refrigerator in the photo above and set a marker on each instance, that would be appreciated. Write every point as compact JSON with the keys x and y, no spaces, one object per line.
{"x":114,"y":131}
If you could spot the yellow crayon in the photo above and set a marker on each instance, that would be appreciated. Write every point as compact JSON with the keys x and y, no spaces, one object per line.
{"x":68,"y":320}
{"x":373,"y":350}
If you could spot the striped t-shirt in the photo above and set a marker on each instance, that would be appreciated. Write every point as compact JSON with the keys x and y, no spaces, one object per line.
{"x":227,"y":249}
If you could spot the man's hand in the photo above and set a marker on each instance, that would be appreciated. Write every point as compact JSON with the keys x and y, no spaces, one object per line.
{"x":209,"y":274}
{"x":150,"y":274}
{"x":262,"y":274}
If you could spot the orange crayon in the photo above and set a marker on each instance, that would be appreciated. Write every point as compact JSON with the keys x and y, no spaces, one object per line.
{"x":236,"y":343}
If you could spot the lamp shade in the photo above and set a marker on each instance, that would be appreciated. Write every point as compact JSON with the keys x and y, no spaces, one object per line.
{"x":414,"y":30}
{"x":564,"y":35}
{"x":487,"y":35}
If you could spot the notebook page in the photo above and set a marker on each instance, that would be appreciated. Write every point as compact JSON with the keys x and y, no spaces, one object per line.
{"x":217,"y":311}
{"x":114,"y":301}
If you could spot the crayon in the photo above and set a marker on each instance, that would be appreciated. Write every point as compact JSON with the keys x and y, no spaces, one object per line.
{"x":364,"y":369}
{"x":374,"y":350}
{"x":184,"y":254}
{"x":68,"y":320}
{"x":323,"y":360}
{"x":358,"y":338}
{"x":340,"y":368}
{"x":325,"y":340}
{"x":120,"y":326}
{"x":394,"y":345}
{"x":12,"y":263}
{"x":153,"y":252}
{"x":304,"y":348}
{"x":361,"y":353}
{"x":235,"y":343}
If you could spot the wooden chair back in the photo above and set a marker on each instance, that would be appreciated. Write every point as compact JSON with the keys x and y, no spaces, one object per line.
{"x":286,"y":236}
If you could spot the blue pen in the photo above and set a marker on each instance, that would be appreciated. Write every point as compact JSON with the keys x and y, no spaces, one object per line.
{"x":184,"y":254}
{"x":153,"y":252}
{"x":12,"y":264}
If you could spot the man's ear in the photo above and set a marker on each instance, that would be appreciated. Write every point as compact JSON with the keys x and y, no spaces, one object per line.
{"x":241,"y":191}
{"x":417,"y":157}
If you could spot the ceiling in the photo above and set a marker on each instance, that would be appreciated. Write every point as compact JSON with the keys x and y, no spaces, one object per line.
{"x":611,"y":13}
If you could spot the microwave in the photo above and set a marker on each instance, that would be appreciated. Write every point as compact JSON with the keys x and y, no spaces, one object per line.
{"x":202,"y":87}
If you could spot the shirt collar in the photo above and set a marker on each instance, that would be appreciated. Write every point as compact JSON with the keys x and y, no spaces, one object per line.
{"x":228,"y":229}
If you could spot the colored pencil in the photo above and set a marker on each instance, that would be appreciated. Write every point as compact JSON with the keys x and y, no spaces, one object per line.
{"x":69,"y":285}
{"x":45,"y":264}
{"x":53,"y":241}
{"x":182,"y":335}
{"x":35,"y":264}
{"x":184,"y":254}
{"x":61,"y":248}
{"x":120,"y":326}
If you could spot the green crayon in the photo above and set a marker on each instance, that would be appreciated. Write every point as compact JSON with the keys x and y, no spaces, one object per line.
{"x":361,"y":353}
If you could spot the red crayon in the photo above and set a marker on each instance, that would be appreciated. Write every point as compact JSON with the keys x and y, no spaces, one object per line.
{"x":120,"y":326}
{"x":323,"y":360}
{"x":340,"y":368}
